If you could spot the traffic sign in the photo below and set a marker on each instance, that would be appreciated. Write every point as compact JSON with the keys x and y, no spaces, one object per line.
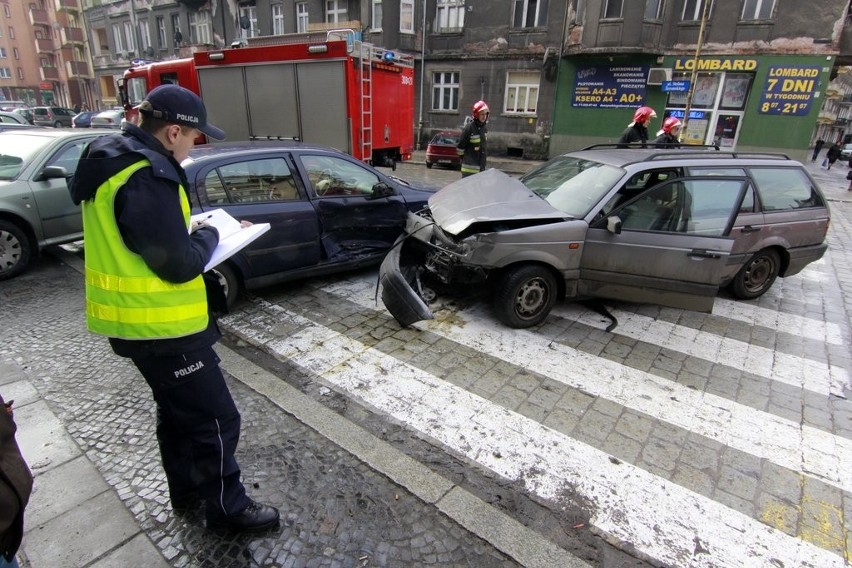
{"x":675,"y":86}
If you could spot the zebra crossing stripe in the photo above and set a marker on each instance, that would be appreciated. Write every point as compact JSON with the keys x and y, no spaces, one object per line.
{"x":798,"y":326}
{"x":798,"y":372}
{"x":662,"y":520}
{"x":800,"y":448}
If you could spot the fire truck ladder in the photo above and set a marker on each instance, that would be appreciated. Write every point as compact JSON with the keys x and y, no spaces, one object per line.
{"x":365,"y":61}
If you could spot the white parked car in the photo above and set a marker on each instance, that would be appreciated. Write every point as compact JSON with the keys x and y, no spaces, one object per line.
{"x":108,"y":119}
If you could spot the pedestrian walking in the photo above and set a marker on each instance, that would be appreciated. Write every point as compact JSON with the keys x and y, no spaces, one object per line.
{"x":472,"y":145}
{"x":637,"y":131}
{"x":16,"y":484}
{"x":145,"y":291}
{"x":817,"y":147}
{"x":832,"y":154}
{"x":669,"y":135}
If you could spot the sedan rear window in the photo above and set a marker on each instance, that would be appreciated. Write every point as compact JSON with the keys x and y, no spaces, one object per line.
{"x":783,"y":189}
{"x":573,"y":185}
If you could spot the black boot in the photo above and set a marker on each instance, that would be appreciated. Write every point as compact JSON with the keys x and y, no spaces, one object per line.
{"x":255,"y":517}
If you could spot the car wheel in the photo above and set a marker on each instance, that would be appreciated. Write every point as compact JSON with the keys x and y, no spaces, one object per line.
{"x":228,"y":278}
{"x":15,"y":251}
{"x":525,"y":296}
{"x":757,"y":276}
{"x":57,"y":124}
{"x":429,"y":165}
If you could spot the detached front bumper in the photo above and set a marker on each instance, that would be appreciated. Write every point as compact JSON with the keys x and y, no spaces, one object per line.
{"x":398,"y":282}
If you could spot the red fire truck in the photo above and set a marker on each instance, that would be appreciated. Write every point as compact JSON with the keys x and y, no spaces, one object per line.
{"x":336,"y":91}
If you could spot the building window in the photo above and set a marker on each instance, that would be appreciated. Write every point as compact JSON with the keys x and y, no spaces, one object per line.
{"x":449,"y":16}
{"x":248,"y":20}
{"x":178,"y":37}
{"x":7,"y":11}
{"x":522,"y":92}
{"x":335,"y":11}
{"x":116,"y":38}
{"x":11,"y":32}
{"x":277,"y":19}
{"x":129,"y":36}
{"x":529,"y":13}
{"x":445,"y":90}
{"x":301,"y":17}
{"x":654,"y":10}
{"x":5,"y":73}
{"x":199,"y":27}
{"x":16,"y":53}
{"x":612,"y":8}
{"x":758,"y":9}
{"x":145,"y":37}
{"x":406,"y":16}
{"x":692,"y":10}
{"x":161,"y":32}
{"x":3,"y":53}
{"x":20,"y":72}
{"x":377,"y":15}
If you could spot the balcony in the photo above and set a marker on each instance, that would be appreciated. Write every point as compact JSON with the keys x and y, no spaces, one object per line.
{"x":70,"y":36}
{"x":826,"y":117}
{"x":77,"y":69}
{"x":49,"y":73}
{"x":39,"y":18}
{"x":44,"y":45}
{"x":67,"y":5}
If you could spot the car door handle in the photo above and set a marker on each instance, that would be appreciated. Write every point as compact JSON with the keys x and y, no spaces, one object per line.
{"x":703,"y":253}
{"x":749,"y":229}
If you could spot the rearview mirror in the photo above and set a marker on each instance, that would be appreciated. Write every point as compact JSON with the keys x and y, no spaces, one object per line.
{"x":381,"y":189}
{"x":613,"y":225}
{"x":53,"y":172}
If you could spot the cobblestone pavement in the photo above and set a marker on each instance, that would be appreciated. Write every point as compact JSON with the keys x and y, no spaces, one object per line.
{"x":684,"y":439}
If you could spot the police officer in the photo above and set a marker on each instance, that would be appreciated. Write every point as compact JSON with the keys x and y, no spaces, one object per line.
{"x":471,"y":147}
{"x":145,"y":291}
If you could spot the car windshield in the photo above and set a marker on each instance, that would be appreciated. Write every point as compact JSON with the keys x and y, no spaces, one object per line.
{"x":17,"y":151}
{"x":572,"y":185}
{"x":450,"y":139}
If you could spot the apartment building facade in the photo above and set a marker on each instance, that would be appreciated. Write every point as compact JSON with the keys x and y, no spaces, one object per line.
{"x":44,"y":54}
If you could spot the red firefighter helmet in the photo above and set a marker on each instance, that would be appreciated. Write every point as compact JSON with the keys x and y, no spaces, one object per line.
{"x":644,"y":114}
{"x":478,"y":107}
{"x":670,"y":124}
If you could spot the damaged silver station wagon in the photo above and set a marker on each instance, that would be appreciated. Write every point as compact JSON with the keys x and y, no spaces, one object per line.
{"x":666,"y":227}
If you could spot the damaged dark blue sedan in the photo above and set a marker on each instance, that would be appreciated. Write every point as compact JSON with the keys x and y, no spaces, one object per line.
{"x":328,"y":211}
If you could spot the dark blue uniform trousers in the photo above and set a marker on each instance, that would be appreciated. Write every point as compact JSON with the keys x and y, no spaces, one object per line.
{"x":198,"y":428}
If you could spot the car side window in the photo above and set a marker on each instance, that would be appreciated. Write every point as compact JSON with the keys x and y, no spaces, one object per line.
{"x":68,"y":156}
{"x":252,"y":181}
{"x":782,"y":189}
{"x":698,"y":207}
{"x":331,"y":176}
{"x":748,"y":203}
{"x":637,"y":184}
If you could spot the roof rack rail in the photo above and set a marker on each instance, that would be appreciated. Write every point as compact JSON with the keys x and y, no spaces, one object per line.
{"x":649,"y":146}
{"x":667,"y":154}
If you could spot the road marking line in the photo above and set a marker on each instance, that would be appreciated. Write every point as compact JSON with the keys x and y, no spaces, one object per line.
{"x":799,"y":372}
{"x":780,"y":322}
{"x":662,"y":520}
{"x":797,"y":447}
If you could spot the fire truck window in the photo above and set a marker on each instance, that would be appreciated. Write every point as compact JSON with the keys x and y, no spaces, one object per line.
{"x":331,"y":176}
{"x":258,"y":180}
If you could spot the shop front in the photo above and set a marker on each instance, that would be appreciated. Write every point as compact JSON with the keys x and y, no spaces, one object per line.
{"x":746,"y":103}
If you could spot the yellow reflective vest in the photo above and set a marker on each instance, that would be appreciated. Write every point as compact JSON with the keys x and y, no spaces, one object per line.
{"x":125,"y":298}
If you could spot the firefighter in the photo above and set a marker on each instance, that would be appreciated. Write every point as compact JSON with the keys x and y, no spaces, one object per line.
{"x":669,"y":135}
{"x":472,"y":148}
{"x":637,"y":131}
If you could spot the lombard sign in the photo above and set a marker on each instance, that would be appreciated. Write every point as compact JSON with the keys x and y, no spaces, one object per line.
{"x":790,"y":89}
{"x":715,"y":64}
{"x":609,"y":86}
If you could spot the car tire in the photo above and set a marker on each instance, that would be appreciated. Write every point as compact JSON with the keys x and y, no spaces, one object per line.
{"x":757,"y":275}
{"x":228,"y":278}
{"x":15,"y":250}
{"x":429,"y":165}
{"x":524,"y":296}
{"x":57,"y":124}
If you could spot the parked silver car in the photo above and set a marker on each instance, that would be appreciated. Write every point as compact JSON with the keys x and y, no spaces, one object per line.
{"x":648,"y":226}
{"x":35,"y":207}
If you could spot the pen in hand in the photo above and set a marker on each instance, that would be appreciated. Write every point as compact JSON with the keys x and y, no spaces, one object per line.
{"x":196,"y":224}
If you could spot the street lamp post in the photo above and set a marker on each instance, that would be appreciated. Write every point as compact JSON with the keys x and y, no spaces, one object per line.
{"x":694,"y":74}
{"x":422,"y":77}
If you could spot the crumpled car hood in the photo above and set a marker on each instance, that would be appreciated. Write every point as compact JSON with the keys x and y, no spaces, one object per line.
{"x":487,"y":196}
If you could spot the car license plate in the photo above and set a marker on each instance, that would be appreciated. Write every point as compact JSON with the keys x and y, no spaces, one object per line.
{"x":444,"y":161}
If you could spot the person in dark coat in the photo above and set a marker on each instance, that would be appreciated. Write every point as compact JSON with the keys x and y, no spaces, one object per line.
{"x":16,"y":484}
{"x":637,"y":131}
{"x":669,"y":135}
{"x":472,"y":147}
{"x":832,"y":154}
{"x":817,"y":147}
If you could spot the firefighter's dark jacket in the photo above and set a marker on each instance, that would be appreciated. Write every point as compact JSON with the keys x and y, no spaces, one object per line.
{"x":473,"y":151}
{"x":151,"y":223}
